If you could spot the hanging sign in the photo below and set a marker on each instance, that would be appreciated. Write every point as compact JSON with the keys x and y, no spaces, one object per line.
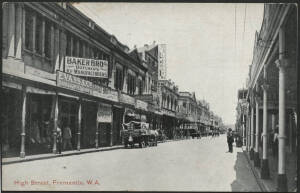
{"x":104,"y":114}
{"x":86,"y":67}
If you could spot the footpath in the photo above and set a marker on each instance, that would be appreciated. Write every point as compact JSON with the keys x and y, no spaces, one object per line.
{"x":269,"y":185}
{"x":12,"y":160}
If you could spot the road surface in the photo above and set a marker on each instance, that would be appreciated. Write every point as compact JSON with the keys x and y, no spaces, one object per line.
{"x":186,"y":165}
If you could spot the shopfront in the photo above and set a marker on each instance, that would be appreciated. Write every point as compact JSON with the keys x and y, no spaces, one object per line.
{"x":118,"y":113}
{"x":39,"y":132}
{"x":89,"y":124}
{"x":104,"y":119}
{"x":11,"y":103}
{"x":68,"y":117}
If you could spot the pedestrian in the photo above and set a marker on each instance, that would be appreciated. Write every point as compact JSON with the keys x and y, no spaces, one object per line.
{"x":58,"y":139}
{"x":275,"y":142}
{"x":67,"y":136}
{"x":230,"y":140}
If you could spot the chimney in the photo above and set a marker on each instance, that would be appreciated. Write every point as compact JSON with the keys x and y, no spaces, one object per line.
{"x":154,"y":42}
{"x":135,"y":47}
{"x":146,"y":45}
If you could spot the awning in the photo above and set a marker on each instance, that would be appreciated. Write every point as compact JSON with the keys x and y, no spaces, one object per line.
{"x":30,"y":89}
{"x":67,"y":95}
{"x":11,"y":85}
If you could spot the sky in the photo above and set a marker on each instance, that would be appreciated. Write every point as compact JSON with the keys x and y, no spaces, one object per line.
{"x":209,"y":45}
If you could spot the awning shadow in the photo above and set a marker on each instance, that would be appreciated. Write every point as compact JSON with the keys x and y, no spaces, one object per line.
{"x":245,"y":180}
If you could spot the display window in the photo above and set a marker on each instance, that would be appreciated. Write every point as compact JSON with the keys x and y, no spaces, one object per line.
{"x":39,"y":124}
{"x":11,"y":104}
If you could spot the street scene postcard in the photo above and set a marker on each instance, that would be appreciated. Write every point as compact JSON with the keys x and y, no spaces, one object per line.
{"x":133,"y":96}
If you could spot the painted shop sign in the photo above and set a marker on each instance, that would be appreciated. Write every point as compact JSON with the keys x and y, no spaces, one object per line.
{"x":104,"y":114}
{"x":105,"y":92}
{"x":127,"y":99}
{"x":75,"y":83}
{"x":141,"y":105}
{"x":72,"y":82}
{"x":86,"y":67}
{"x":166,"y":112}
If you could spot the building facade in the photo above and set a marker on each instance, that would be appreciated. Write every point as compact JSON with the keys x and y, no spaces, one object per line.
{"x":42,"y":92}
{"x":272,"y":95}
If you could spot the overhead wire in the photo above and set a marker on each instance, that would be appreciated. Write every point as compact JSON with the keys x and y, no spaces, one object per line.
{"x":235,"y":34}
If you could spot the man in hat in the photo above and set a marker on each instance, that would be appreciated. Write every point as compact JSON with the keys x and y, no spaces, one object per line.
{"x":230,"y":140}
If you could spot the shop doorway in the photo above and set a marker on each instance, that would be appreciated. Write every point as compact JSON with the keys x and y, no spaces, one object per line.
{"x":88,"y":130}
{"x":68,"y":116}
{"x":104,"y":134}
{"x":117,"y":125}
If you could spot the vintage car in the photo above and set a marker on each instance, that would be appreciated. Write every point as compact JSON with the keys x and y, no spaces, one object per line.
{"x":138,"y":132}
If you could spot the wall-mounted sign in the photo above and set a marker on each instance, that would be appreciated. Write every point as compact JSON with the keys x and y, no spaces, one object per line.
{"x":75,"y":83}
{"x":105,"y":92}
{"x":104,"y":114}
{"x":86,"y":67}
{"x":141,"y":105}
{"x":124,"y":98}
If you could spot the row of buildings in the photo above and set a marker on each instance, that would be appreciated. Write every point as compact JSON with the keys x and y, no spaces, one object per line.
{"x":267,"y":108}
{"x":61,"y":69}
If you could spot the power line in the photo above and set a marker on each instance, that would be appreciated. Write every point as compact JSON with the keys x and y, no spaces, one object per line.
{"x":235,"y":34}
{"x":245,"y":20}
{"x":243,"y":57}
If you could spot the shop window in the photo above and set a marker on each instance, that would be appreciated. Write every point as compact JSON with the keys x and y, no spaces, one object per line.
{"x":47,"y":39}
{"x":68,"y":47}
{"x":81,"y":49}
{"x":29,"y":29}
{"x":140,"y":87}
{"x":74,"y":47}
{"x":119,"y":79}
{"x":39,"y":35}
{"x":87,"y":51}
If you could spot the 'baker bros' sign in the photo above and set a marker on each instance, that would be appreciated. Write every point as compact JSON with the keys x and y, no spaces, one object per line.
{"x":86,"y":67}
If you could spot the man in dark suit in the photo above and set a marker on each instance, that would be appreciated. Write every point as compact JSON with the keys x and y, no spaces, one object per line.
{"x":230,"y":140}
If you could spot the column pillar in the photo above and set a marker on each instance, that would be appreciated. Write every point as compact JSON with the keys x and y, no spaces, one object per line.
{"x":56,"y":49}
{"x":52,"y":47}
{"x":97,"y":130}
{"x":5,"y":21}
{"x":79,"y":124}
{"x":43,"y":37}
{"x":111,"y":127}
{"x":24,"y":98}
{"x":33,"y":32}
{"x":256,"y":154}
{"x":248,"y":133}
{"x":252,"y":133}
{"x":282,"y":64}
{"x":62,"y":48}
{"x":11,"y":30}
{"x":54,"y":150}
{"x":18,"y":31}
{"x":265,"y":173}
{"x":243,"y":129}
{"x":71,"y":46}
